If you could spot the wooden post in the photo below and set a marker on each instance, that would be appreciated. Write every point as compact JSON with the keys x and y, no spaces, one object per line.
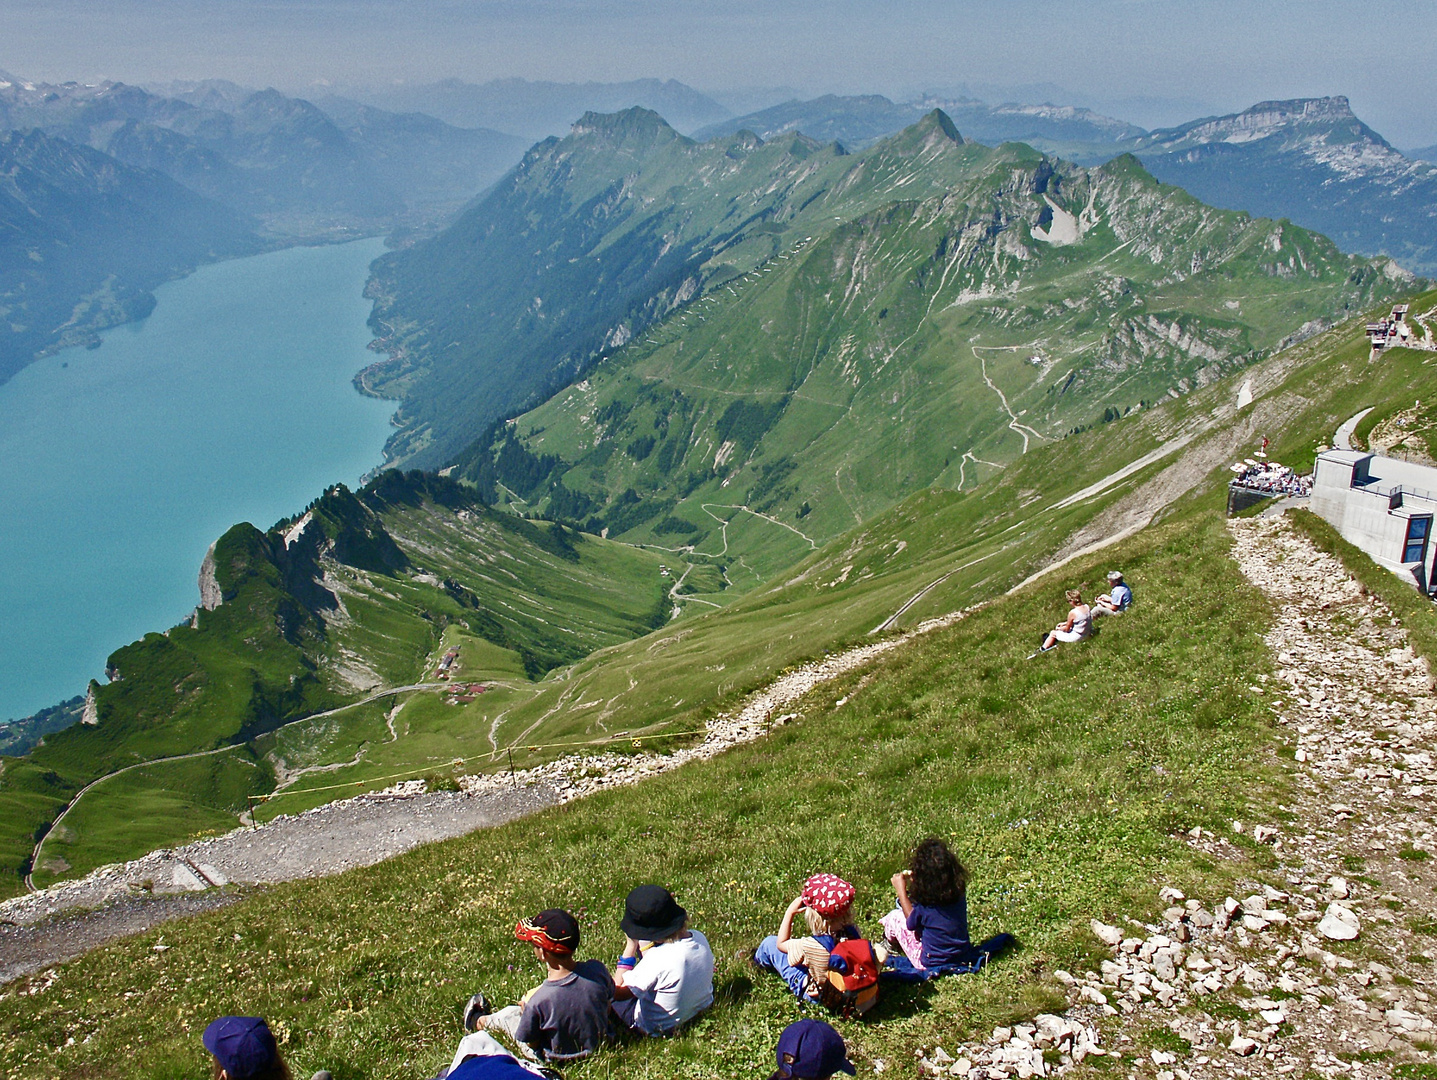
{"x":512,"y":778}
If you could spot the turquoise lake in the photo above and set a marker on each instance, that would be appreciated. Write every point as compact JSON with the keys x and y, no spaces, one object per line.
{"x":120,"y":465}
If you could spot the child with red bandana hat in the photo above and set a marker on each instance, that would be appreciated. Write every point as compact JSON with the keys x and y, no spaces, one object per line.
{"x":827,"y":906}
{"x":564,"y":1018}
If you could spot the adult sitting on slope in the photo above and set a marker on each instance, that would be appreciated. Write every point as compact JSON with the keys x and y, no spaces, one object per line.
{"x":1078,"y":626}
{"x":1116,"y":600}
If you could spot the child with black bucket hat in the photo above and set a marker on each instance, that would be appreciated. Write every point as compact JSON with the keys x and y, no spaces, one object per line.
{"x":564,"y":1018}
{"x":811,"y":1050}
{"x":673,"y":980}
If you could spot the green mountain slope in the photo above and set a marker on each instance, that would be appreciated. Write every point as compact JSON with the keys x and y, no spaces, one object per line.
{"x":595,"y":237}
{"x":927,"y":343}
{"x":363,"y":592}
{"x":1063,"y":802}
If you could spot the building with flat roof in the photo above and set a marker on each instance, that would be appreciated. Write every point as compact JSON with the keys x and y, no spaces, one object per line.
{"x":1381,"y":505}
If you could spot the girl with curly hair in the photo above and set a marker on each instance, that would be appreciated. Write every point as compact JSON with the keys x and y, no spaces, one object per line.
{"x":930,"y":924}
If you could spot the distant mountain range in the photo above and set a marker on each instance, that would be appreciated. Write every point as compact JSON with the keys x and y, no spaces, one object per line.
{"x":976,"y":303}
{"x":598,"y":237}
{"x":857,"y":122}
{"x":539,"y":109}
{"x":84,"y":237}
{"x":1313,"y":161}
{"x":1310,"y":160}
{"x":305,"y":173}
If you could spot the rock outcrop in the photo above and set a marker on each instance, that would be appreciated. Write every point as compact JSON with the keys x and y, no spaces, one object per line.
{"x":211,"y":595}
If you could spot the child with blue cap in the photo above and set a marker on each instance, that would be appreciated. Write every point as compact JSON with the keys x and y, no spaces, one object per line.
{"x":244,"y":1049}
{"x":811,"y":1050}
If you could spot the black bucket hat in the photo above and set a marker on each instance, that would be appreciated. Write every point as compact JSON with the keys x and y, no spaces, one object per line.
{"x":651,"y":913}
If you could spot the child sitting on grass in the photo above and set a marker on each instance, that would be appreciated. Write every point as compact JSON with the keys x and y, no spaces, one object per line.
{"x":802,"y":962}
{"x":674,"y":980}
{"x":930,"y":925}
{"x":244,"y":1049}
{"x":565,"y":1017}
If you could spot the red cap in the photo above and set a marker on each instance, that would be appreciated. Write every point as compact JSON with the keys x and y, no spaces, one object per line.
{"x":827,"y":894}
{"x":553,"y":930}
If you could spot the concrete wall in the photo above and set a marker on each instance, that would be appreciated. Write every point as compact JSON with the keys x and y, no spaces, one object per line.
{"x":1357,"y":494}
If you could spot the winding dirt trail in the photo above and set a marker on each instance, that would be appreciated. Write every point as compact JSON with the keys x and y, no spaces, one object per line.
{"x":35,"y":855}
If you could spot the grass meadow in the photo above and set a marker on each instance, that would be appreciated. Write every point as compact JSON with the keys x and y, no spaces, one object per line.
{"x":1066,"y":782}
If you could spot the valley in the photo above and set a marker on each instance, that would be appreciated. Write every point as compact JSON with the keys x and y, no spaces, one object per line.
{"x":894,"y":393}
{"x":952,"y":730}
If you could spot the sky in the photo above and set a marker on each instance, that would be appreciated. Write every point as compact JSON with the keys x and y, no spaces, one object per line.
{"x":1151,"y":62}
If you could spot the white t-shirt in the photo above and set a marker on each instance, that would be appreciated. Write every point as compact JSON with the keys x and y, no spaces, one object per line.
{"x":672,"y":983}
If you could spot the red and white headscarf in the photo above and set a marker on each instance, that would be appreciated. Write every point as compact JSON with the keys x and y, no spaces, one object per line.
{"x":827,"y":894}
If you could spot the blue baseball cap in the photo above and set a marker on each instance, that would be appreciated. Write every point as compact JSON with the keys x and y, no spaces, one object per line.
{"x":812,"y":1050}
{"x":242,"y":1045}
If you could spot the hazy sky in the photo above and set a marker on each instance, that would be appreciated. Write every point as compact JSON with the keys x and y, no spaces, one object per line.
{"x":1150,"y":61}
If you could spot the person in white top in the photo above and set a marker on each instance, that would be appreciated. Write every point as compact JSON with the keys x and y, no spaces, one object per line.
{"x":673,"y":980}
{"x":1078,"y":626}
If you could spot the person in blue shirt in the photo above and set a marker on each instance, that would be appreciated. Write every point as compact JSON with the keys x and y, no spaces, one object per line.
{"x":931,"y":923}
{"x":1117,"y":599}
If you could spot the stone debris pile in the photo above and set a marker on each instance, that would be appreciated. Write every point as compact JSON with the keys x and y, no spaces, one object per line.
{"x":576,"y":775}
{"x":1048,"y":1046}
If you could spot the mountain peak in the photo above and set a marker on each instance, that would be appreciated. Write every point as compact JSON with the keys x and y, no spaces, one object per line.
{"x":939,"y":122}
{"x":935,"y":129}
{"x":635,"y":124}
{"x":1304,"y":110}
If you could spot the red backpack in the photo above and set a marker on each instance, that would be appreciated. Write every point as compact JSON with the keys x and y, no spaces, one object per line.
{"x":854,"y":990}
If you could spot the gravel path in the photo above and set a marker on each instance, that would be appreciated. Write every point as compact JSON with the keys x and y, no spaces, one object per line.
{"x":1325,"y":968}
{"x":132,"y":897}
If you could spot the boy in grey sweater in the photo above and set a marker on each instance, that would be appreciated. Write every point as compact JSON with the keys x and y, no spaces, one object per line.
{"x":565,"y":1017}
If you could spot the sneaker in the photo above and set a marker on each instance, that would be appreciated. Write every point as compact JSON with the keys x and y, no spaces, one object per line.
{"x":749,"y":957}
{"x":551,"y":1074}
{"x":477,"y":1006}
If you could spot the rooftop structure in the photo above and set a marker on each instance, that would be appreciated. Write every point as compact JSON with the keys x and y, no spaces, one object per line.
{"x":1393,"y":330}
{"x":1383,"y":506}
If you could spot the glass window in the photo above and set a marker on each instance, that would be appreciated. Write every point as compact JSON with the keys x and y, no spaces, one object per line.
{"x":1415,"y":549}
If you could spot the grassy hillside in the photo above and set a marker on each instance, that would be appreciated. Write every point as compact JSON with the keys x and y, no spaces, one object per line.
{"x":364,"y":592}
{"x":931,"y":343}
{"x":593,"y":238}
{"x":1066,"y":783}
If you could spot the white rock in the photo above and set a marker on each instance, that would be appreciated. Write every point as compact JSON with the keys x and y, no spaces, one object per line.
{"x":1339,"y":924}
{"x":1242,"y":1046}
{"x":1108,"y":935}
{"x":1403,"y":1020}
